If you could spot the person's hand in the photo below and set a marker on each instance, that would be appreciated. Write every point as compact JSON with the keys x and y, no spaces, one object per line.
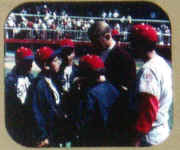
{"x":43,"y":143}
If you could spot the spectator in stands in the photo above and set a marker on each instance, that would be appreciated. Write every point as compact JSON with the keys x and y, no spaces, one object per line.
{"x":19,"y":120}
{"x":23,"y":11}
{"x":11,"y":22}
{"x":116,"y":14}
{"x":104,"y":14}
{"x":36,"y":29}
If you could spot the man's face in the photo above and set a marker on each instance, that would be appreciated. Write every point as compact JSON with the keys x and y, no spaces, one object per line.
{"x":55,"y":64}
{"x":100,"y":43}
{"x":104,"y":42}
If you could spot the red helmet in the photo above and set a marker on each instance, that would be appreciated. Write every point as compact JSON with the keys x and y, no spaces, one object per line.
{"x":45,"y":53}
{"x":144,"y":32}
{"x":92,"y":61}
{"x":24,"y":53}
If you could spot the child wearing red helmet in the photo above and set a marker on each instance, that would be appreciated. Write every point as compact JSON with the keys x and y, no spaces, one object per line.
{"x":95,"y":101}
{"x":69,"y":70}
{"x":52,"y":121}
{"x":18,"y":99}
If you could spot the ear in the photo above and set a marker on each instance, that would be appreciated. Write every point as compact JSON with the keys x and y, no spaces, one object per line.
{"x":107,"y":36}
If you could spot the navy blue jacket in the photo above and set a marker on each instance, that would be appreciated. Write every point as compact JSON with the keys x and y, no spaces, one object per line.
{"x":49,"y":114}
{"x":99,"y":101}
{"x":94,"y":112}
{"x":19,"y":116}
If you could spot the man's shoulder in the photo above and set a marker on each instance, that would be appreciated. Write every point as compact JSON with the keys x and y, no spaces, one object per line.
{"x":119,"y":54}
{"x":118,"y":50}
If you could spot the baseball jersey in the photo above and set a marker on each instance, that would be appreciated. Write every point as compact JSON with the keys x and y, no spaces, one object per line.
{"x":155,"y":77}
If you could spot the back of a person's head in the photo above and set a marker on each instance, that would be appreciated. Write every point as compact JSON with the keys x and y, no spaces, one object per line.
{"x":91,"y":66}
{"x":143,"y":35}
{"x":24,"y":53}
{"x":97,"y":29}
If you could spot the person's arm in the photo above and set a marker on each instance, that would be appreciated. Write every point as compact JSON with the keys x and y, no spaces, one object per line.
{"x":10,"y":100}
{"x":147,"y":102}
{"x":90,"y":109}
{"x":10,"y":87}
{"x":148,"y":105}
{"x":38,"y":106}
{"x":88,"y":119}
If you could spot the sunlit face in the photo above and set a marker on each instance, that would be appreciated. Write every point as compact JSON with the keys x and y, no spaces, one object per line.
{"x":55,"y":64}
{"x":102,"y":42}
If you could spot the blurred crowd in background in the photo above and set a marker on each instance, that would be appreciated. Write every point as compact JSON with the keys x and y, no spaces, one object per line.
{"x":46,"y":22}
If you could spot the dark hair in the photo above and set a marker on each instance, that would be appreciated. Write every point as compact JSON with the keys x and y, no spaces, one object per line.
{"x":139,"y":41}
{"x":86,"y":71}
{"x":40,"y":63}
{"x":147,"y":45}
{"x":66,"y":51}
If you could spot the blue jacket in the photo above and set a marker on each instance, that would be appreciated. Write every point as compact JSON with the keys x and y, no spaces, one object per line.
{"x":100,"y":98}
{"x":19,"y":116}
{"x":94,"y":110}
{"x":49,"y":114}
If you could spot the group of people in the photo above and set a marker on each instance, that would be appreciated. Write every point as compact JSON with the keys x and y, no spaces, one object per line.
{"x":99,"y":102}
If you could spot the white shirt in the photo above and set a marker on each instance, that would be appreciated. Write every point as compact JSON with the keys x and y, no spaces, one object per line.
{"x":67,"y":74}
{"x":23,"y":84}
{"x":155,"y":77}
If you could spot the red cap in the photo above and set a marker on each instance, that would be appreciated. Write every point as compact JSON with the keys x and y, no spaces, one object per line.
{"x":44,"y":53}
{"x":145,"y":32}
{"x":66,"y":43}
{"x":93,"y":61}
{"x":24,"y":53}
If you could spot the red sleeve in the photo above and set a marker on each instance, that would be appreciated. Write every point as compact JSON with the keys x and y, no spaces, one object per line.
{"x":148,"y":106}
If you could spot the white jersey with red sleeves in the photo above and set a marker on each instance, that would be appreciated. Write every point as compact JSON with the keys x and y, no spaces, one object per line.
{"x":155,"y":77}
